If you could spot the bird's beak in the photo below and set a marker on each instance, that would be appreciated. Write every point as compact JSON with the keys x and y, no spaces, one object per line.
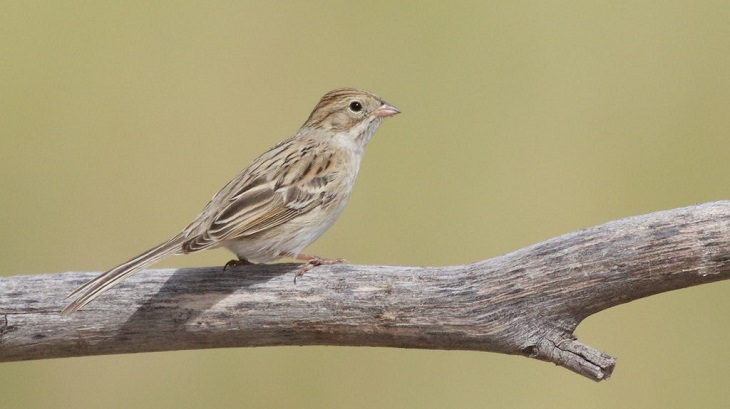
{"x":386,"y":110}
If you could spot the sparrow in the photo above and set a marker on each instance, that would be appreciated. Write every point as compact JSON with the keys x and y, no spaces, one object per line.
{"x":282,"y":202}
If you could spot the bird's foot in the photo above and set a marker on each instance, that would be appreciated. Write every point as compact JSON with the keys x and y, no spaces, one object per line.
{"x":236,"y":263}
{"x":313,"y":261}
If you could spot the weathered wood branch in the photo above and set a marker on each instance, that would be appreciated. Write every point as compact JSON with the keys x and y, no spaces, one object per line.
{"x":526,"y":302}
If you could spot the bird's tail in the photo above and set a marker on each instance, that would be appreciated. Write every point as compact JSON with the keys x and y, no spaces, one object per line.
{"x":98,"y":285}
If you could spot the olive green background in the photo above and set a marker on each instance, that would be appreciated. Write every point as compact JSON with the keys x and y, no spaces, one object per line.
{"x":521,"y":121}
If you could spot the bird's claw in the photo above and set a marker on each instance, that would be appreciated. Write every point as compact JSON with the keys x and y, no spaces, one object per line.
{"x":314,"y":261}
{"x":236,"y":263}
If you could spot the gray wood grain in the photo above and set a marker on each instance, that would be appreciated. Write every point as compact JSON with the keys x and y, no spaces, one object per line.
{"x":526,"y":302}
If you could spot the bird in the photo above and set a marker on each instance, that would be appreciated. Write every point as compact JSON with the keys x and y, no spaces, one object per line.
{"x":280,"y":203}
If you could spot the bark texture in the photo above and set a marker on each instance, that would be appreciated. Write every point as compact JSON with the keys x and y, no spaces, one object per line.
{"x":526,"y":302}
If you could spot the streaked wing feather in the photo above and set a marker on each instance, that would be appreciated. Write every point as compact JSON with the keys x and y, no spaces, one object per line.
{"x":280,"y":207}
{"x":265,"y":204}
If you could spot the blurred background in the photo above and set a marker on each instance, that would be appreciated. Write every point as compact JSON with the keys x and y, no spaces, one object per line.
{"x":521,"y":121}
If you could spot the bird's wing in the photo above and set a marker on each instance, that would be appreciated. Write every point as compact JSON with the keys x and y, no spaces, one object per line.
{"x":264,"y":203}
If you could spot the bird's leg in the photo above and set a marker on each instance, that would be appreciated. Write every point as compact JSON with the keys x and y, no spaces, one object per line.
{"x":313,"y":261}
{"x":235,"y":263}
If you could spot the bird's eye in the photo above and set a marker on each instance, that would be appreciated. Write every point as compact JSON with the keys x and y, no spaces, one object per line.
{"x":355,"y":106}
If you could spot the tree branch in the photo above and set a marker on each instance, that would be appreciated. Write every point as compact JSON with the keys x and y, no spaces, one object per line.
{"x":526,"y":302}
